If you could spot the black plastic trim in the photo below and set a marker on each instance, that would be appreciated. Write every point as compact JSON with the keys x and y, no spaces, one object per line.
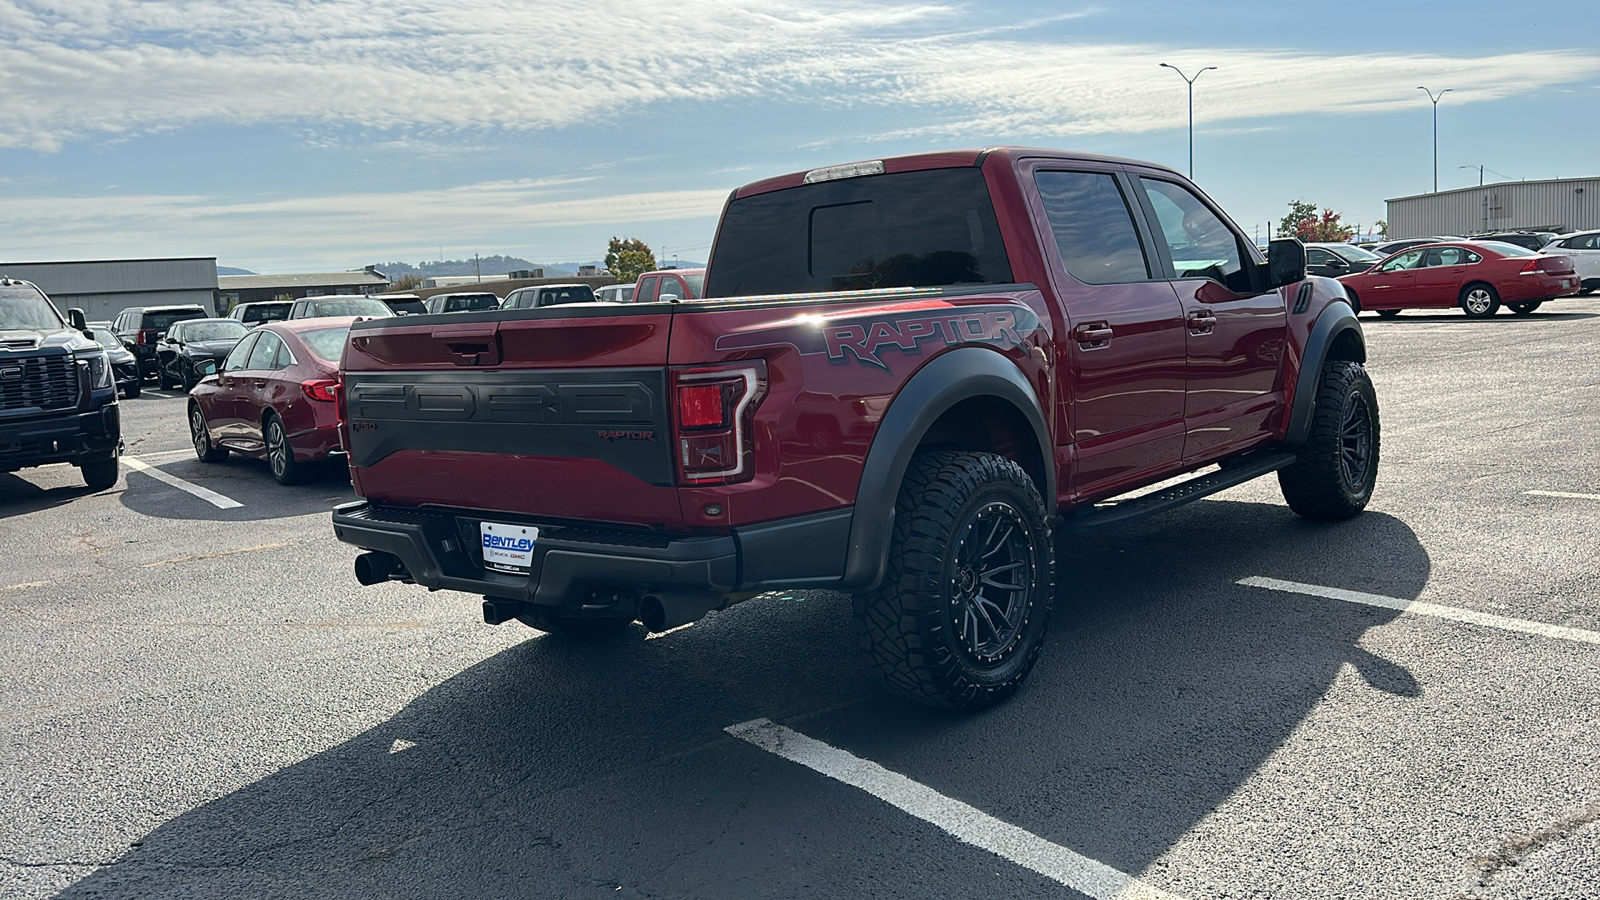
{"x":617,"y":416}
{"x":1235,"y":471}
{"x":805,"y":551}
{"x":958,"y":375}
{"x":429,"y":543}
{"x":1335,"y":319}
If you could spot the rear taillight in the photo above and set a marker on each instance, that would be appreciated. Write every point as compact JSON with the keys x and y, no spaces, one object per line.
{"x":144,"y":338}
{"x":323,"y":389}
{"x":339,"y":401}
{"x":713,"y":412}
{"x":1532,"y":267}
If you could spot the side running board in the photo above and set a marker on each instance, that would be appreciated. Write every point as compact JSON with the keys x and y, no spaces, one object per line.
{"x":1236,"y":472}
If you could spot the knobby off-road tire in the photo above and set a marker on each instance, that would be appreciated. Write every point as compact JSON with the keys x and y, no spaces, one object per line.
{"x":1338,"y":466}
{"x":961,"y":615}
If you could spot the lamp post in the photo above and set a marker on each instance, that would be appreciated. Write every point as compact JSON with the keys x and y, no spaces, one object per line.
{"x":1435,"y":131}
{"x":1191,"y":106}
{"x":1480,"y":173}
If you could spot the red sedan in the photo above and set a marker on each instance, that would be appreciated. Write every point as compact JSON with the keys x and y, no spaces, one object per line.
{"x":1477,"y":276}
{"x":273,"y":398}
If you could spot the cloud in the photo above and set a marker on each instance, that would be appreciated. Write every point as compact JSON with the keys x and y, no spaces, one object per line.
{"x":411,"y":69}
{"x":281,"y":232}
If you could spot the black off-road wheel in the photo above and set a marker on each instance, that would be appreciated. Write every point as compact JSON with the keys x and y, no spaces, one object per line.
{"x":962,"y":612}
{"x":588,"y":628}
{"x":99,"y":474}
{"x":1526,"y":307}
{"x":1338,"y":466}
{"x":206,"y":451}
{"x":1479,"y":300}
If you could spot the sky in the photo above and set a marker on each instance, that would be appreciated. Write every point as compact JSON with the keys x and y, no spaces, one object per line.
{"x":324,"y":135}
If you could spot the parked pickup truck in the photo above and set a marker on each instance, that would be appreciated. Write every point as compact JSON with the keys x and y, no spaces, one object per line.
{"x":58,"y":394}
{"x":904,"y":375}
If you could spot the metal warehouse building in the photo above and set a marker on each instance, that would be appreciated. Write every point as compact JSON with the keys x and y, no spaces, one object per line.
{"x":103,"y":288}
{"x":1562,"y":204}
{"x":235,"y":289}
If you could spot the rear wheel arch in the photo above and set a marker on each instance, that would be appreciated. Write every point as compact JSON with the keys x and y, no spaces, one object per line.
{"x":970,"y":399}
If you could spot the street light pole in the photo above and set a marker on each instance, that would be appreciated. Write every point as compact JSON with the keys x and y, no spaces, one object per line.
{"x":1480,"y":173}
{"x":1435,"y":131}
{"x":1191,"y":106}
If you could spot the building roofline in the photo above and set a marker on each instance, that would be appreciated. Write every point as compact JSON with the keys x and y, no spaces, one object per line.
{"x":1480,"y":187}
{"x":80,"y":262}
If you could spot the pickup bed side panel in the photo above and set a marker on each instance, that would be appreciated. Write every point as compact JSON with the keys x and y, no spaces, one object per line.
{"x":835,"y":366}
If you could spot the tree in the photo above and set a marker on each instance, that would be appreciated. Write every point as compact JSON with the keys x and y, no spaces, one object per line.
{"x":1304,"y":223}
{"x":628,"y":259}
{"x":407,"y":282}
{"x":1382,"y":228}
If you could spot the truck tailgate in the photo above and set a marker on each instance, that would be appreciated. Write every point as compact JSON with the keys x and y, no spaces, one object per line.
{"x":559,"y":411}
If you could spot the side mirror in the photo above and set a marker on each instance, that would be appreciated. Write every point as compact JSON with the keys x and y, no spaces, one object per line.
{"x":205,"y":367}
{"x":1286,"y":262}
{"x":667,"y":298}
{"x":78,"y":320}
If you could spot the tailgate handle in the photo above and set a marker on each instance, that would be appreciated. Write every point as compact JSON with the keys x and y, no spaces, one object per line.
{"x":473,"y":344}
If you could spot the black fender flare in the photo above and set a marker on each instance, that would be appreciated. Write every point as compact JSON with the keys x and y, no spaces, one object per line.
{"x":960,"y":374}
{"x":1335,"y":320}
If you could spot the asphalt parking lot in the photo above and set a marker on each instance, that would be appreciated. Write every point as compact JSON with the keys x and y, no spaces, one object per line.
{"x":197,"y":699}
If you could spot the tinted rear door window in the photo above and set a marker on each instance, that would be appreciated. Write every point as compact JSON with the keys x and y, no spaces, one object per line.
{"x":1093,"y":227}
{"x":922,"y":229}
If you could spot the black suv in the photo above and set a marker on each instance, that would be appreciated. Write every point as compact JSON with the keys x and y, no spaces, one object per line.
{"x":140,"y":327}
{"x":58,"y":398}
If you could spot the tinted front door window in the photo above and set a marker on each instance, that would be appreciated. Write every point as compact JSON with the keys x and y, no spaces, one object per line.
{"x":1093,"y":227}
{"x":1200,"y":244}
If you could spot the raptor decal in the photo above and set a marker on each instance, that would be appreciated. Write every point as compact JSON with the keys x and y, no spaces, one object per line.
{"x":863,"y":340}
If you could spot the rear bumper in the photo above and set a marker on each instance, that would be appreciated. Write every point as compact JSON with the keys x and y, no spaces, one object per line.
{"x":578,"y":565}
{"x":71,"y":438}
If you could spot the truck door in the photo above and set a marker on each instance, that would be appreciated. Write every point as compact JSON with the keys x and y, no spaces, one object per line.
{"x":1121,"y":367}
{"x":1234,"y":330}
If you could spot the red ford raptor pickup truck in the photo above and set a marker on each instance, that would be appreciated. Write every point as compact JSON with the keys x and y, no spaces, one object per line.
{"x":903,"y":376}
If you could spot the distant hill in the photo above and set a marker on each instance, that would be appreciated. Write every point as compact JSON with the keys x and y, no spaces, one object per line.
{"x":488,"y":265}
{"x":230,"y":270}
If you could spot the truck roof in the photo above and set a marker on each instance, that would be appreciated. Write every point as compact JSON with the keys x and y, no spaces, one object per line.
{"x":942,"y":159}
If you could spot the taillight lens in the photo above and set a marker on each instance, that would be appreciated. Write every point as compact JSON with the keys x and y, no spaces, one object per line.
{"x":323,"y":389}
{"x":1532,"y":267}
{"x":714,"y":410}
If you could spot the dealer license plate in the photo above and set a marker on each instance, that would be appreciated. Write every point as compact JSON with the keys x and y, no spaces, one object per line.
{"x":508,"y":548}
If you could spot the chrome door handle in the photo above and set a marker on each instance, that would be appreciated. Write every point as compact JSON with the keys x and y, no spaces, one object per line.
{"x":1202,"y":321}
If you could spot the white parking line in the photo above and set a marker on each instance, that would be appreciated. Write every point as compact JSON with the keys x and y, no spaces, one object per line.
{"x":1562,"y":494}
{"x":966,"y":823}
{"x":210,"y":496}
{"x":1417,"y":607}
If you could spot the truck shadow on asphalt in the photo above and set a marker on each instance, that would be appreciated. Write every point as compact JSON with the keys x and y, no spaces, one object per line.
{"x":19,"y":496}
{"x":557,"y":769}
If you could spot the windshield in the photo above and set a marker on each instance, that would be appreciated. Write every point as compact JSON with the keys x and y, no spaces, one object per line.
{"x":22,"y":307}
{"x":214,"y":331}
{"x":106,"y":338}
{"x":365,"y":306}
{"x":1352,"y":254}
{"x":326,"y":343}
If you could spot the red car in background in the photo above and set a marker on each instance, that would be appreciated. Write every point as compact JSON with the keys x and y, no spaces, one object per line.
{"x":684,"y":284}
{"x":274,"y":398}
{"x":1477,"y":276}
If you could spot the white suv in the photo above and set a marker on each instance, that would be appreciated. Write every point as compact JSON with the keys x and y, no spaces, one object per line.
{"x":1583,"y":248}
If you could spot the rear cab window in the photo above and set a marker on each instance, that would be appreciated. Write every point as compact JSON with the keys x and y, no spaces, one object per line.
{"x":927,"y":228}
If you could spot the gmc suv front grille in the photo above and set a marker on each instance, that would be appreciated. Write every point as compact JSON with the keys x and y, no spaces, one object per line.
{"x":38,"y":382}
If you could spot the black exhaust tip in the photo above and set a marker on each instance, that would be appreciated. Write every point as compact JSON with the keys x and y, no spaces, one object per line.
{"x":376,"y":567}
